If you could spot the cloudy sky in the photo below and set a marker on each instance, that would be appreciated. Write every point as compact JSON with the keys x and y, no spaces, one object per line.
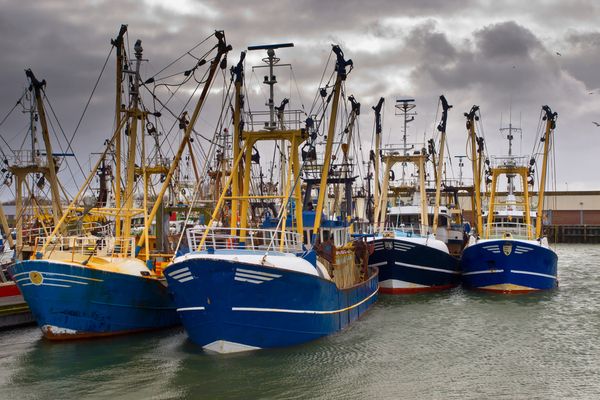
{"x":500,"y":55}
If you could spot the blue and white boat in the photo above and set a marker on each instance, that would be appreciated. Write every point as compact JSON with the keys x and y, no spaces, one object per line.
{"x":510,"y":254}
{"x":410,"y":257}
{"x":242,"y":288}
{"x":93,"y":284}
{"x":262,"y":295}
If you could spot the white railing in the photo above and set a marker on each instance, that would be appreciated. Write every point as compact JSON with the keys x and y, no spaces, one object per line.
{"x":501,"y":230}
{"x":255,"y":239}
{"x":89,"y":246}
{"x":400,"y":150}
{"x":27,"y":157}
{"x":508,"y":161}
{"x":31,"y":234}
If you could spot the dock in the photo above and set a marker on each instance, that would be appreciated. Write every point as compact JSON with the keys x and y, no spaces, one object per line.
{"x":13,"y":308}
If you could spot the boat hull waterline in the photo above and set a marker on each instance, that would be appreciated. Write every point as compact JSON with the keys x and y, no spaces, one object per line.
{"x":407,"y":266}
{"x":230,"y":306}
{"x":509,"y":266}
{"x":69,"y":301}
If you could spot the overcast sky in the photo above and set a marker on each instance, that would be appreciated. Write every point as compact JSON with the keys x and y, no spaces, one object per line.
{"x":500,"y":55}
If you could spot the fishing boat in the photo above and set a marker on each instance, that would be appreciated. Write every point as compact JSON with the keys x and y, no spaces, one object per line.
{"x":109,"y":283}
{"x":246,"y":288}
{"x":409,"y":256}
{"x":509,"y":253}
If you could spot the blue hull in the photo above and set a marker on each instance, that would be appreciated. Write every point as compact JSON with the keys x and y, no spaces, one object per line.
{"x":509,"y":266}
{"x":69,"y":301}
{"x":282,"y":308}
{"x":409,"y":267}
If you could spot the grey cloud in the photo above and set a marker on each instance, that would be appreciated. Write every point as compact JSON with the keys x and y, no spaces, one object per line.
{"x":67,"y":42}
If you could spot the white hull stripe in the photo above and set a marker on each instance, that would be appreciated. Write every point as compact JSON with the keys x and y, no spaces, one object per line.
{"x":45,"y":274}
{"x":191,"y":309}
{"x":258,"y":273}
{"x":47,"y":284}
{"x":282,"y":310}
{"x":487,"y":271}
{"x":447,"y":271}
{"x":404,"y":246}
{"x":262,"y":278}
{"x":182,"y":275}
{"x":184,"y":269}
{"x":379,"y":264}
{"x":247,"y":280}
{"x":189,"y":278}
{"x":516,"y":271}
{"x":65,"y":280}
{"x":73,"y":276}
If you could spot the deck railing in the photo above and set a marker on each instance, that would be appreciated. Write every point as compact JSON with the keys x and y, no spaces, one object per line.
{"x":31,"y":234}
{"x":88,"y":246}
{"x":255,"y":239}
{"x":501,"y":230}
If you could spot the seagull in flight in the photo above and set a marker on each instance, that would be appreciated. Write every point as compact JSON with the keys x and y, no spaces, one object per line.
{"x":595,"y":123}
{"x":558,"y":54}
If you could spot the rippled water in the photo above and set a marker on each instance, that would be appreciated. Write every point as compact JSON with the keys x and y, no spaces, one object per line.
{"x":456,"y":344}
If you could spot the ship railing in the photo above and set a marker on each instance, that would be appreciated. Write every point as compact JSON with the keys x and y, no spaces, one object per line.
{"x":504,"y":230}
{"x":27,"y":157}
{"x":508,"y":161}
{"x":254,"y":239}
{"x":30,"y":234}
{"x":292,"y":119}
{"x":400,"y":150}
{"x":87,"y":246}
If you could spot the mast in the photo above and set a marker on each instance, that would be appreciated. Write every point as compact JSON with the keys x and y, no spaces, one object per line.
{"x":237,"y":73}
{"x":354,"y":113}
{"x":471,"y":118}
{"x":119,"y":44}
{"x":438,"y":184}
{"x":222,"y":49}
{"x":406,"y":106}
{"x":51,"y":166}
{"x":377,"y":158}
{"x":134,"y":114}
{"x":550,"y":118}
{"x":340,"y":68}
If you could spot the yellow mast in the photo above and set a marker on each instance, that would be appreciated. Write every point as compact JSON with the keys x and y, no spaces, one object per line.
{"x":378,"y":128}
{"x":238,"y":75}
{"x":222,"y":50}
{"x":119,"y":44}
{"x":340,"y":68}
{"x":51,"y":167}
{"x":346,"y":150}
{"x":438,"y":184}
{"x":550,"y":118}
{"x":134,"y":114}
{"x":5,"y":228}
{"x":471,"y":118}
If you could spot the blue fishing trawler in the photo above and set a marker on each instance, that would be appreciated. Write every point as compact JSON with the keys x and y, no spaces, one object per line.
{"x":244,"y":288}
{"x":508,"y":253}
{"x":106,"y":282}
{"x":410,"y":256}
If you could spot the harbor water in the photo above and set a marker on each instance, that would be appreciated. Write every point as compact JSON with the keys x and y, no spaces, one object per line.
{"x":451,"y":345}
